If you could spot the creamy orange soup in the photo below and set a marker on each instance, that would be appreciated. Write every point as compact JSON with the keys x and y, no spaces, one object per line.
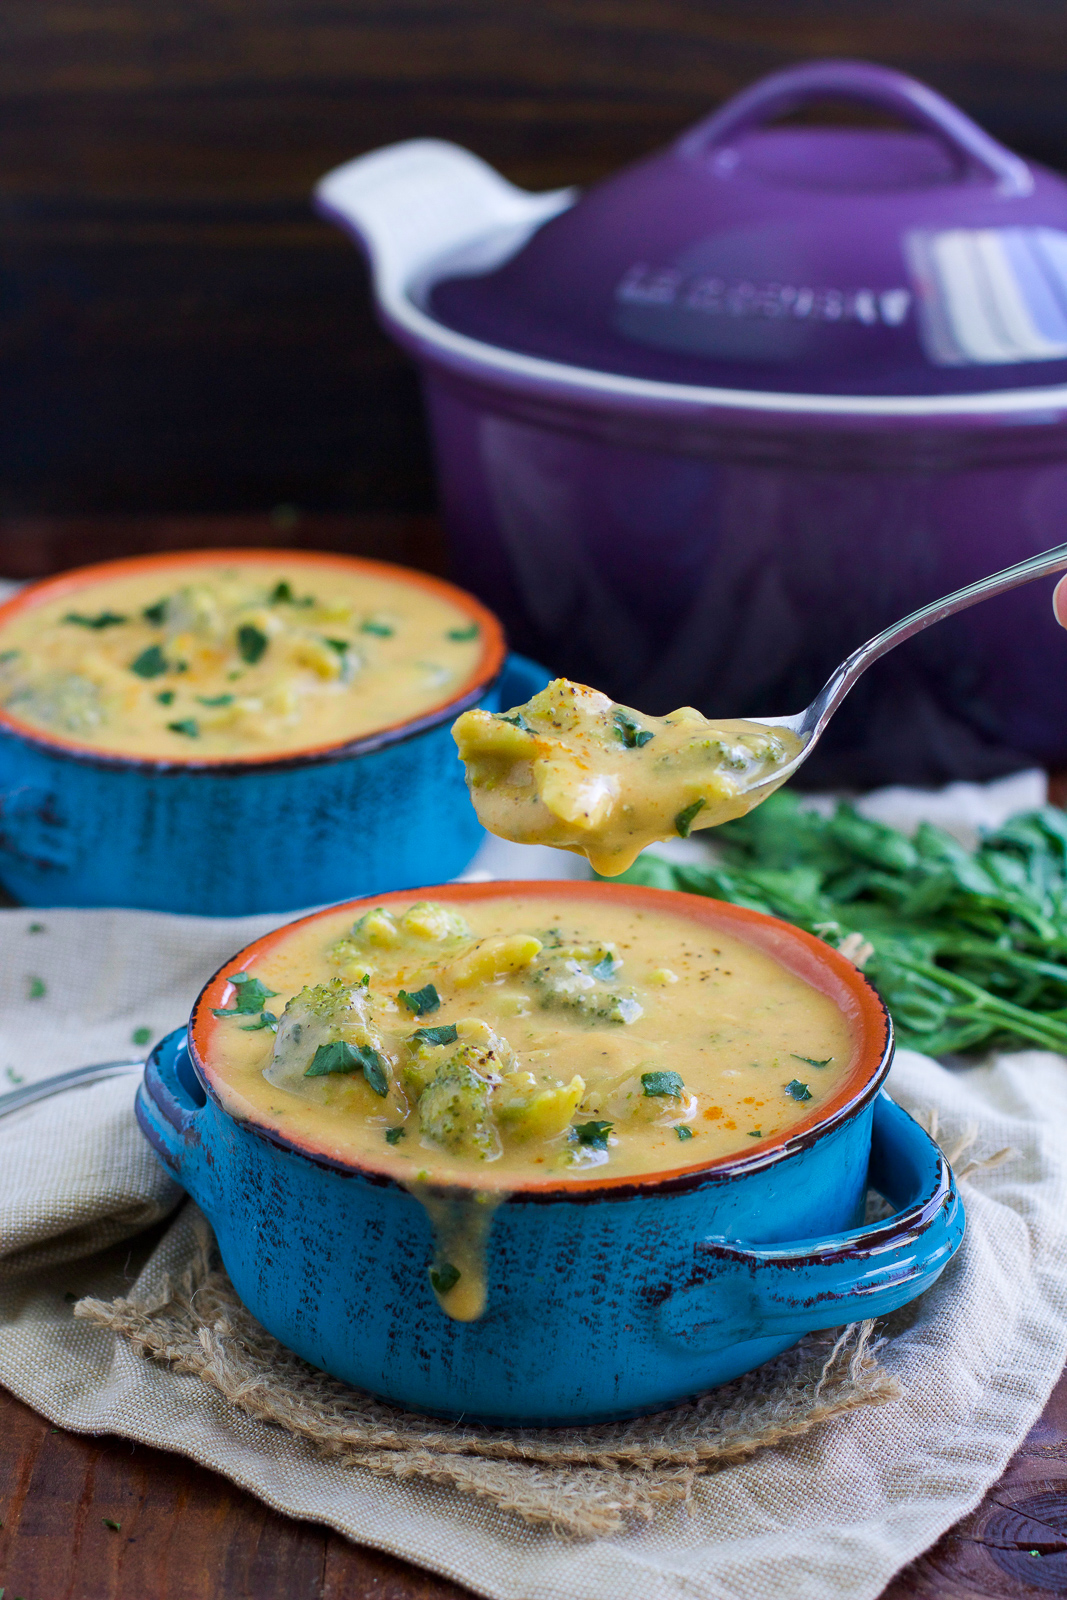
{"x":516,"y":1039}
{"x":574,"y":769}
{"x":229,"y":657}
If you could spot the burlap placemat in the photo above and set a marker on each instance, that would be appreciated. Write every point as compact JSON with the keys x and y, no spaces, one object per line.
{"x":581,"y":1481}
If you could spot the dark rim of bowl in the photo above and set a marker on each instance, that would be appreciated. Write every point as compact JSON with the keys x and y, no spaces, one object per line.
{"x":486,"y":674}
{"x":674,"y":1180}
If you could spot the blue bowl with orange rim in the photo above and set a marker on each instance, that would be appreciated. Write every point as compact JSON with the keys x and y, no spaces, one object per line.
{"x":605,"y":1297}
{"x":80,"y":826}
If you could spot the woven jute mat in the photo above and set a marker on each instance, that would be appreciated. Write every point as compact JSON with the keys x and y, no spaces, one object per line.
{"x":581,"y":1481}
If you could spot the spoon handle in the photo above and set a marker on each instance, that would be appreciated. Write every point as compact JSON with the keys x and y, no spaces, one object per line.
{"x":835,"y":689}
{"x":64,"y":1080}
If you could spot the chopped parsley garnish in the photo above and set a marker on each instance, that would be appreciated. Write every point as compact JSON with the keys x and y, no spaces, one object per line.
{"x":683,"y":822}
{"x":157,"y":614}
{"x":140,"y":1035}
{"x":380,"y":630}
{"x":151,"y":663}
{"x":797,"y":1090}
{"x":215,"y":699}
{"x":187,"y":726}
{"x":394,"y":1135}
{"x":251,"y":642}
{"x":165,"y":697}
{"x":444,"y":1034}
{"x":461,"y":635}
{"x":250,"y":996}
{"x":422,"y":1001}
{"x":633,"y":736}
{"x":755,"y":1133}
{"x":340,"y":1056}
{"x":282,"y":594}
{"x":605,"y":968}
{"x":517,"y":721}
{"x":7,"y":655}
{"x":103,"y":619}
{"x":342,"y":646}
{"x":36,"y":988}
{"x":594,"y":1134}
{"x":684,"y":1133}
{"x":267,"y":1020}
{"x":444,"y":1277}
{"x":810,"y":1061}
{"x":661,"y":1083}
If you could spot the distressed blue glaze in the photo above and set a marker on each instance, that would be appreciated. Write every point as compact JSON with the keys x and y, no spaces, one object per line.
{"x":80,"y":831}
{"x":601,"y":1303}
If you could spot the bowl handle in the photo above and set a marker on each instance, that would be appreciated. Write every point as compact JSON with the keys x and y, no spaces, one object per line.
{"x":739,"y":1291}
{"x":169,"y":1107}
{"x":782,"y":92}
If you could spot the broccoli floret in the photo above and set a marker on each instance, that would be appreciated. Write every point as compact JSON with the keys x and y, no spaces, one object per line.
{"x":454,"y":1109}
{"x":580,"y":978}
{"x":320,"y":1014}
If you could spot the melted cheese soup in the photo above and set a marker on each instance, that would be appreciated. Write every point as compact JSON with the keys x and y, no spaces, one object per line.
{"x":230,"y":657}
{"x":474,"y":1045}
{"x":573,"y":769}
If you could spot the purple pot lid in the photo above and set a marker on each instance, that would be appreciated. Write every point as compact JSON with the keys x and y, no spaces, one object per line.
{"x":837,"y":261}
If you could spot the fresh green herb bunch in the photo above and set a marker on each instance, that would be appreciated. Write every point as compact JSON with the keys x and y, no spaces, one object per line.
{"x":967,"y":948}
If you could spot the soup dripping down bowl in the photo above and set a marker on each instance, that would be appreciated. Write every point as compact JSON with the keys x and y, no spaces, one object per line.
{"x":606,"y":1296}
{"x":255,"y":832}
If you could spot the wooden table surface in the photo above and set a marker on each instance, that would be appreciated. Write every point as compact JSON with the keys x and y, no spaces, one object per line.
{"x":185,"y":1533}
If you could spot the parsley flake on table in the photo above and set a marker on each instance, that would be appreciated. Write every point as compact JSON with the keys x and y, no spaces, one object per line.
{"x":140,"y":1035}
{"x":445,"y":1033}
{"x":683,"y":822}
{"x":422,"y":1001}
{"x":251,"y":994}
{"x":187,"y":726}
{"x":633,"y":736}
{"x":109,"y":1522}
{"x":36,"y":988}
{"x":461,"y":635}
{"x":797,"y":1090}
{"x":151,"y":663}
{"x":251,"y":642}
{"x":445,"y":1277}
{"x":656,"y":1083}
{"x":12,"y":1076}
{"x":103,"y":619}
{"x":36,"y":927}
{"x":593,"y":1134}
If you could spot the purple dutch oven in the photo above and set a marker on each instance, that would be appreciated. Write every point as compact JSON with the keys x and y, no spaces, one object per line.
{"x":703,"y":430}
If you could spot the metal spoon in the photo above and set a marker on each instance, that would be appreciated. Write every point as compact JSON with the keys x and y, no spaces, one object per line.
{"x":808,"y":725}
{"x":17,"y":1098}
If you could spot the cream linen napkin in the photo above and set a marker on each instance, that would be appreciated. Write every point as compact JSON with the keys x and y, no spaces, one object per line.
{"x":833,"y":1514}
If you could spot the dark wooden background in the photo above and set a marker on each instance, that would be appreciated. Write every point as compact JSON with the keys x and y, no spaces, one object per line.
{"x":178,"y":332}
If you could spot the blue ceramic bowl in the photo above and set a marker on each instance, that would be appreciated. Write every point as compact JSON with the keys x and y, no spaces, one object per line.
{"x":606,"y":1298}
{"x":80,"y":827}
